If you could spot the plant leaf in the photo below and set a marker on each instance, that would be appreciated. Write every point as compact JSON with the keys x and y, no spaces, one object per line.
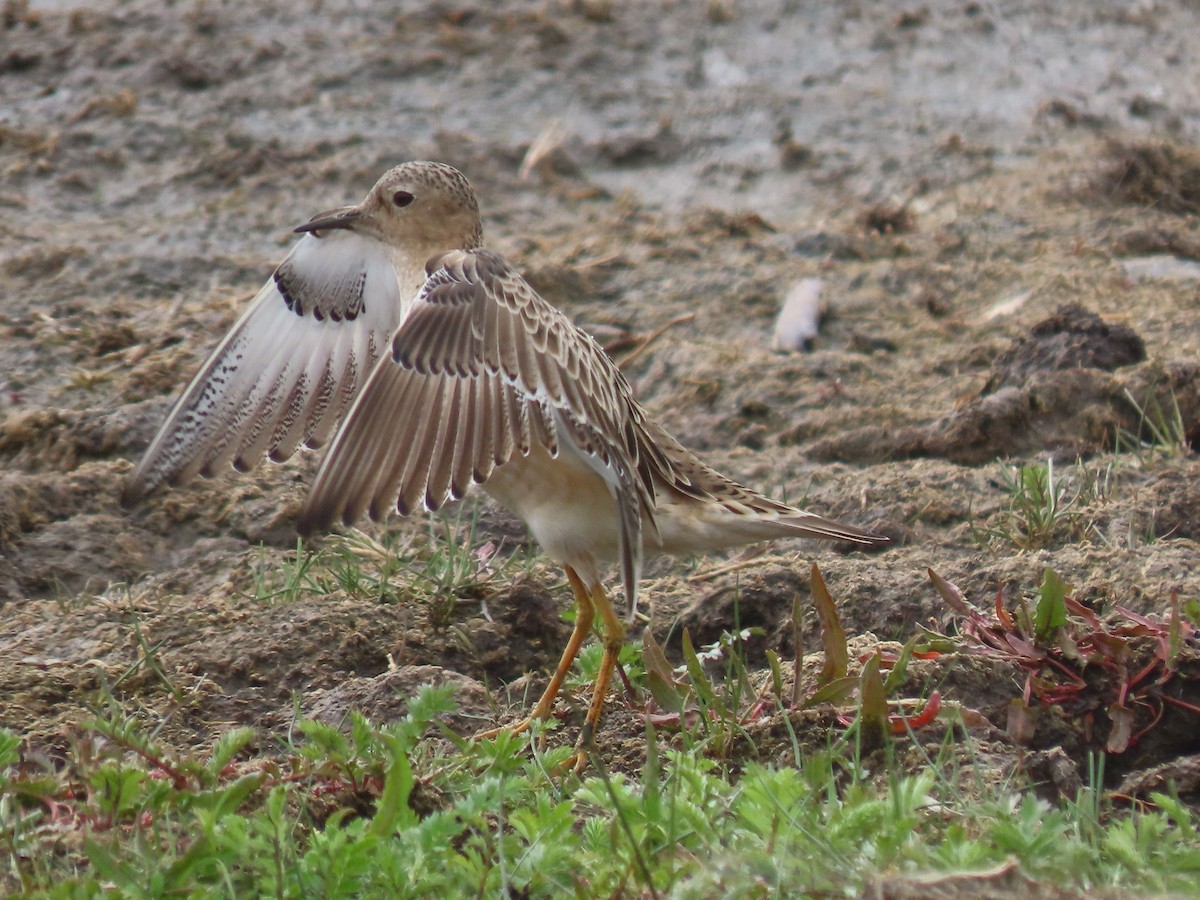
{"x":1051,"y":612}
{"x":901,"y":724}
{"x":776,"y":675}
{"x":393,"y":809}
{"x":833,"y":636}
{"x":1174,"y":634}
{"x":704,"y":689}
{"x":837,"y":691}
{"x":872,"y":705}
{"x":900,"y":667}
{"x":659,"y":676}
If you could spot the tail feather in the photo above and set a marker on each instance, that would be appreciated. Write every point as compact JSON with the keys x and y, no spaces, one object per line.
{"x":693,"y":527}
{"x":818,"y":527}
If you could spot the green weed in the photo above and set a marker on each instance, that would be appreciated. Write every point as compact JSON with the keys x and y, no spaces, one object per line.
{"x":438,"y":567}
{"x":373,"y":811}
{"x":1160,"y":431}
{"x":1046,"y":505}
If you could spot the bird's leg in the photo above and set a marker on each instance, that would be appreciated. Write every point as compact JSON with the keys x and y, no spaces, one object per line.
{"x":614,"y":639}
{"x":584,"y":614}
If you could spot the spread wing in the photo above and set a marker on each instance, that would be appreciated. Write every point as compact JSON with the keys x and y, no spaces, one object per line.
{"x":288,"y":368}
{"x":481,"y":369}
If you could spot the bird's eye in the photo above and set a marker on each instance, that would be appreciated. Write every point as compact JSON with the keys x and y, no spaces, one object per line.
{"x":402,"y":198}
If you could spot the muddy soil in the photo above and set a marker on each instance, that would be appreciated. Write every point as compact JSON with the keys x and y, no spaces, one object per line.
{"x":999,"y":197}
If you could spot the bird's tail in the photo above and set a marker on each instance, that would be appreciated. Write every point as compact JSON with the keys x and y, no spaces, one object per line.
{"x":711,"y":526}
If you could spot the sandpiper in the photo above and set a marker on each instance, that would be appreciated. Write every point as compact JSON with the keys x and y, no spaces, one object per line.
{"x":488,"y":384}
{"x":451,"y":371}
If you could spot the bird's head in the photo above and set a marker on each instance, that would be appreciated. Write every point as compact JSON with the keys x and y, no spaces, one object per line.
{"x":418,"y":205}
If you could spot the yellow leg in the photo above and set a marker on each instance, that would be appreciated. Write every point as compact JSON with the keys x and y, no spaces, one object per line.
{"x":585,"y":612}
{"x":614,"y":638}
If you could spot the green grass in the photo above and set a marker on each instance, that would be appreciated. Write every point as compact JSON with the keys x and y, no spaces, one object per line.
{"x":1047,"y":505}
{"x":383,"y":811}
{"x":710,"y":804}
{"x":436,"y":567}
{"x":1040,"y":505}
{"x":1160,"y":431}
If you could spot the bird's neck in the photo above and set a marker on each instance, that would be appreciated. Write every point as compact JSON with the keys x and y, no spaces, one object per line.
{"x":410,"y":275}
{"x":410,"y":263}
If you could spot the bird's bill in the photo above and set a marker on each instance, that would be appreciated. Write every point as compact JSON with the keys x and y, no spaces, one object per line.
{"x":334,"y":218}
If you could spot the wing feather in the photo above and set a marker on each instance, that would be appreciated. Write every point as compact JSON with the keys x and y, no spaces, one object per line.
{"x":482,"y":369}
{"x":425,"y":443}
{"x":369,"y":460}
{"x":287,"y":370}
{"x":485,"y":451}
{"x":466,"y":447}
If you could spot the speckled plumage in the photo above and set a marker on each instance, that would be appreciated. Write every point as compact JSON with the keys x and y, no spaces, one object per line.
{"x":451,"y":371}
{"x":489,"y":384}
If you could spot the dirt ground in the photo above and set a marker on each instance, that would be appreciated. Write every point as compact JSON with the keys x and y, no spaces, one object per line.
{"x":999,"y":197}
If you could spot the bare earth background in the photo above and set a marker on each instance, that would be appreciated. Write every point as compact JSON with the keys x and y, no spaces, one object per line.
{"x":957,"y":173}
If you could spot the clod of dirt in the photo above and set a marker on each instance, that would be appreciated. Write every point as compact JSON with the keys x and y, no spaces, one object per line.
{"x":1181,"y":775}
{"x":632,"y":150}
{"x":912,"y":18}
{"x":385,"y":697}
{"x":1154,"y":242}
{"x":726,"y":224}
{"x":858,"y":244}
{"x":1049,"y":392}
{"x":762,"y":601}
{"x":1070,"y":413}
{"x":40,"y":264}
{"x":526,"y":633}
{"x":85,"y":552}
{"x":1070,"y":115}
{"x":559,"y":284}
{"x":16,"y":61}
{"x":1167,"y":396}
{"x":64,"y":437}
{"x":522,"y":632}
{"x":794,"y":155}
{"x":1073,"y":336}
{"x":823,"y":244}
{"x":112,"y":337}
{"x":1160,"y":174}
{"x":1067,"y":414}
{"x":1055,"y":773}
{"x":190,"y":74}
{"x":888,"y":218}
{"x":17,"y":13}
{"x":1174,"y":505}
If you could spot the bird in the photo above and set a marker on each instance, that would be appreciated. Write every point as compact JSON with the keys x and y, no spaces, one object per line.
{"x":436,"y":367}
{"x":487,"y":384}
{"x":288,"y":369}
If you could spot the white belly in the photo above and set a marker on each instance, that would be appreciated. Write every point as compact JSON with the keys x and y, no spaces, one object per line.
{"x":571,"y":510}
{"x":569,"y":507}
